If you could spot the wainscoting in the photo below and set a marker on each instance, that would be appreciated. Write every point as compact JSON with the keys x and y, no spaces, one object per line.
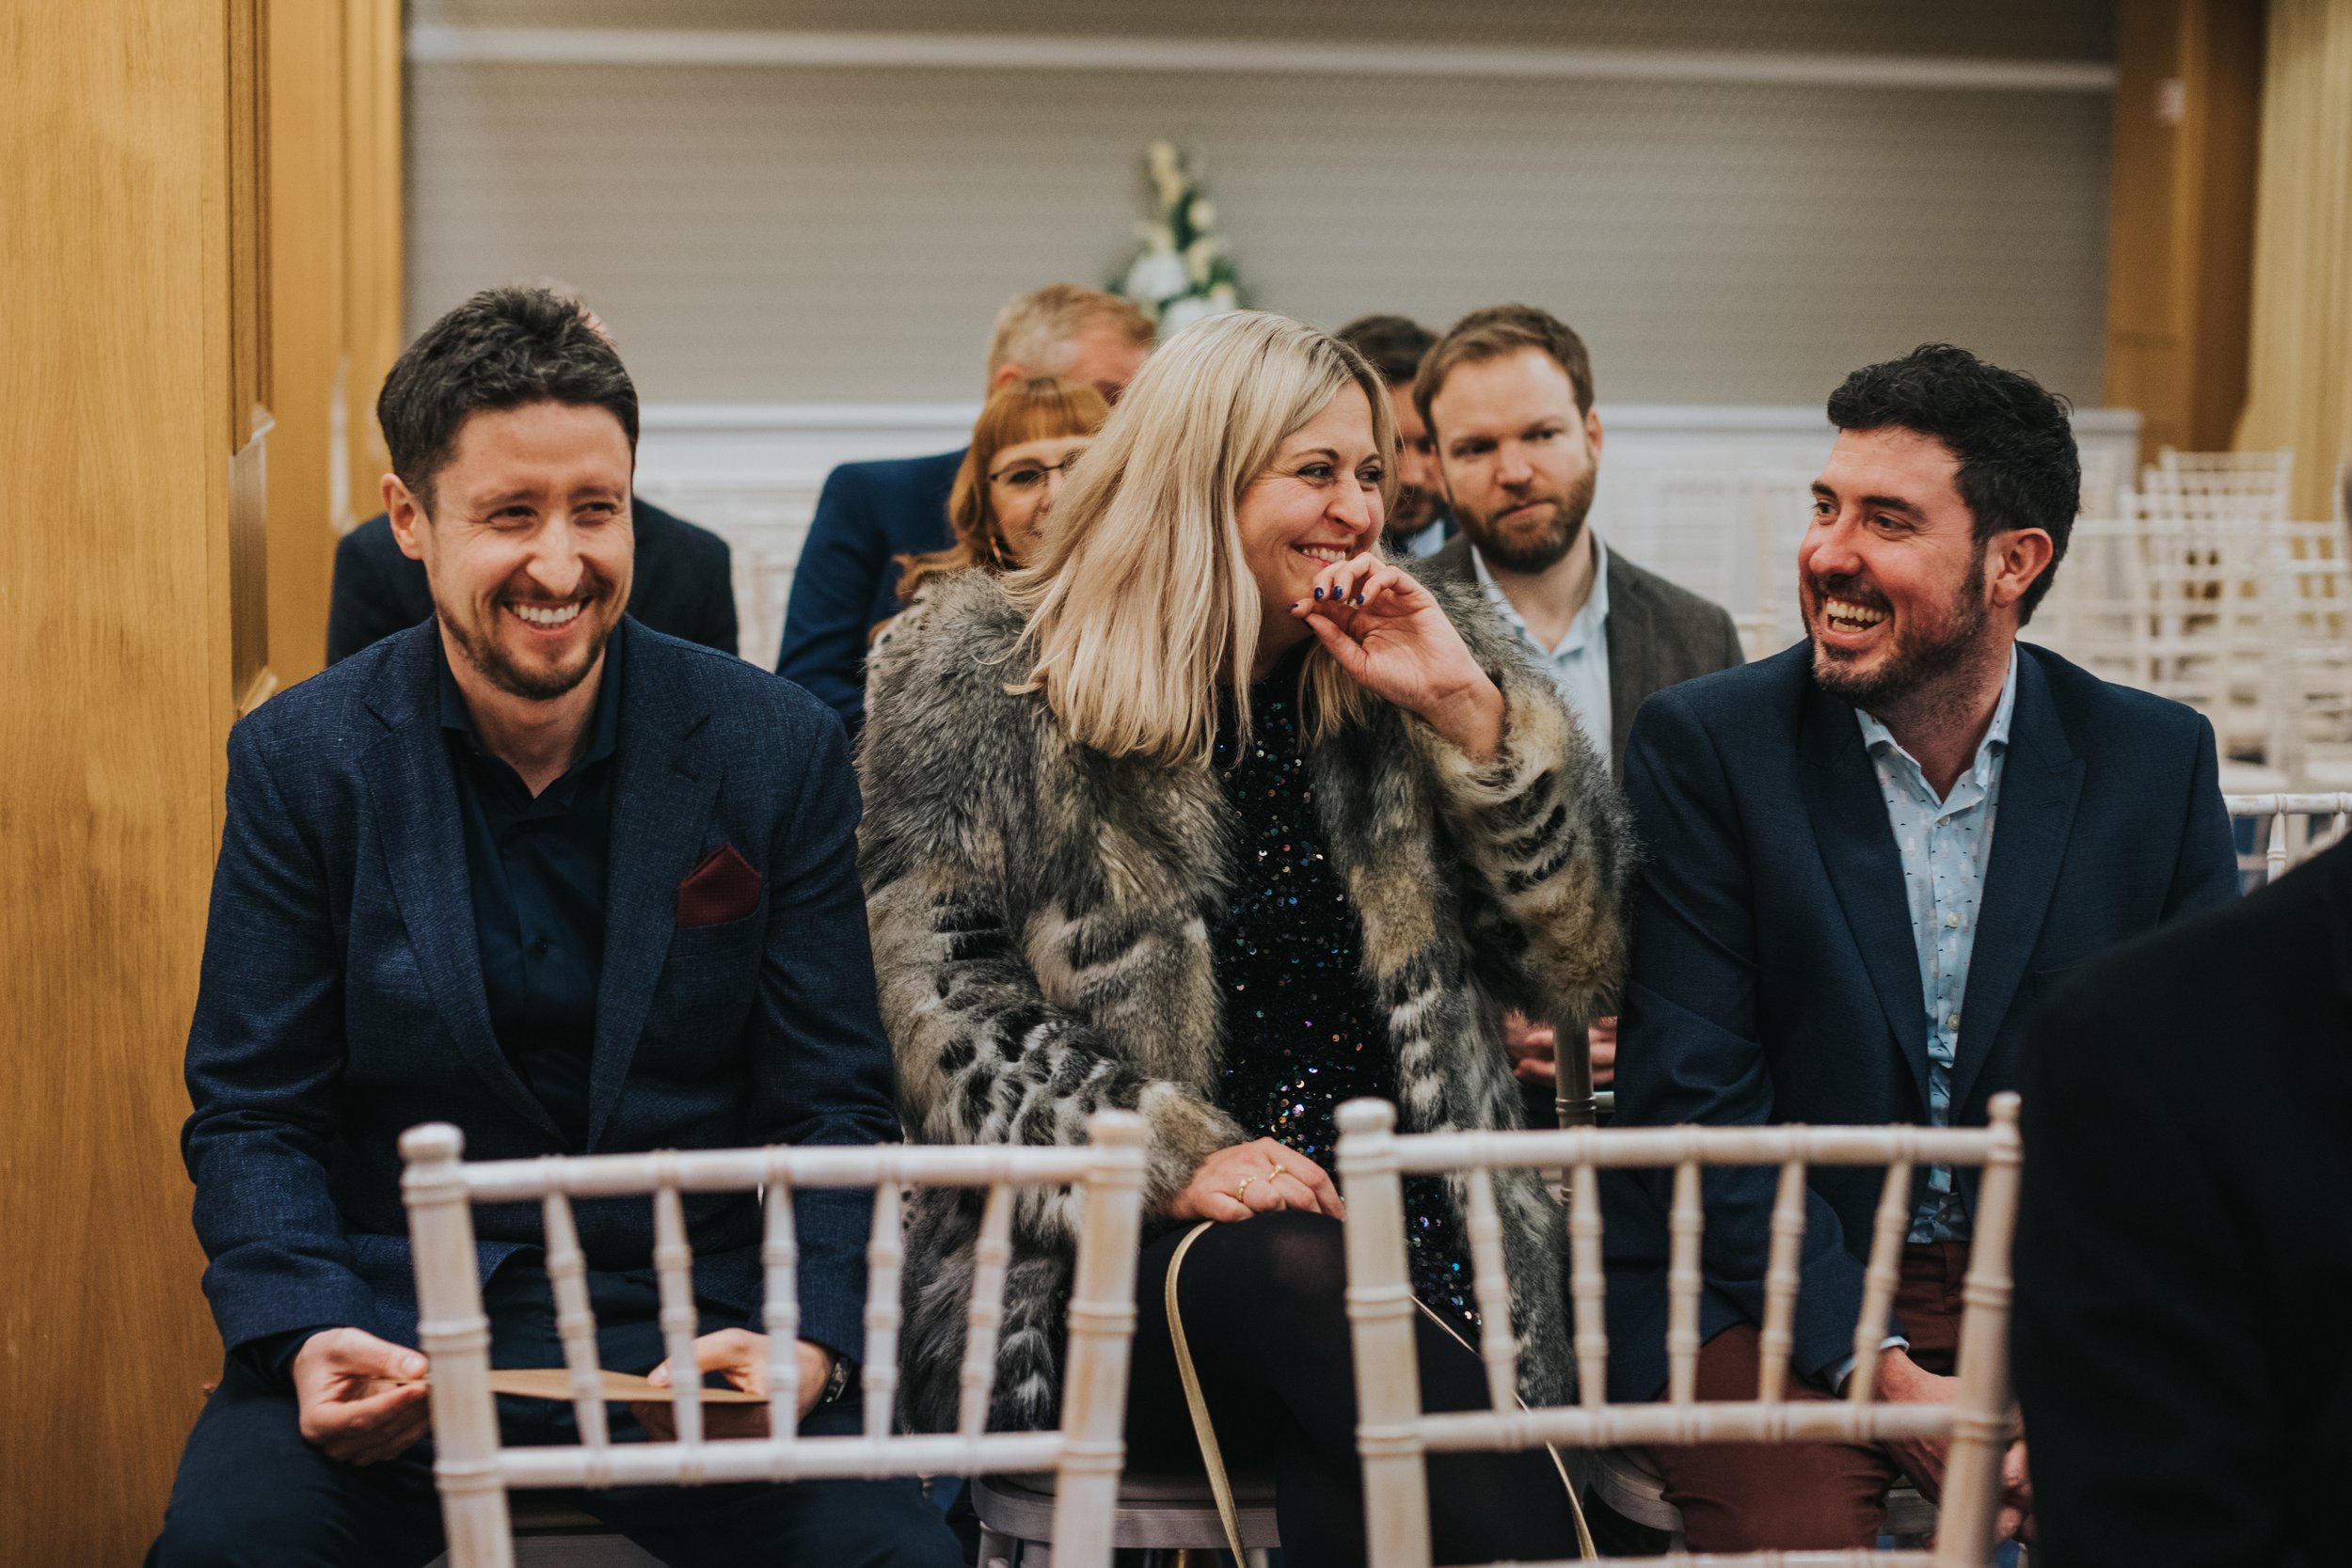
{"x":1713,"y":496}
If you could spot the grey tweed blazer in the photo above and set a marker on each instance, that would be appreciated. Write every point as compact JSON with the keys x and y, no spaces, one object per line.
{"x":1658,"y":635}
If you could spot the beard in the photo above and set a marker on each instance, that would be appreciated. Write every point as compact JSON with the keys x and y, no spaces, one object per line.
{"x":1535,"y":548}
{"x":1925,"y":652}
{"x":491,"y":661}
{"x":1415,"y":510}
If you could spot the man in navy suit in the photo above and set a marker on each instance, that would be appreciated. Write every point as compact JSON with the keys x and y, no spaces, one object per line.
{"x":1829,"y":928}
{"x":870,"y":514}
{"x":570,"y":884}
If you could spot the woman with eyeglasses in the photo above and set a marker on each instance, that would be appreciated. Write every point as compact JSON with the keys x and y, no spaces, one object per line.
{"x":1214,"y":813}
{"x":1028,"y":435}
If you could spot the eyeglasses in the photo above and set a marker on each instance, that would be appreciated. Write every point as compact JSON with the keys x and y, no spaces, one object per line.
{"x":1028,"y":476}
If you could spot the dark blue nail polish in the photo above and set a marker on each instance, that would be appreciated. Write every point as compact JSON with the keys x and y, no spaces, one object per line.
{"x":1318,"y":592}
{"x":1360,"y":598}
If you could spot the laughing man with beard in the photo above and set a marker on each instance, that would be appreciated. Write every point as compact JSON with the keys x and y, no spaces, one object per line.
{"x":1828,"y":929}
{"x":567,"y":883}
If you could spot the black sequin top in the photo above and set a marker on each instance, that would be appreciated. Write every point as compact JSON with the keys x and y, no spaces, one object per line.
{"x":1302,"y":1032}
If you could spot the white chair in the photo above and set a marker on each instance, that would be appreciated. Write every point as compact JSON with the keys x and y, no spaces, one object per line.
{"x":1156,"y":1513}
{"x":1394,"y":1434}
{"x":2295,"y":835}
{"x":474,"y":1473}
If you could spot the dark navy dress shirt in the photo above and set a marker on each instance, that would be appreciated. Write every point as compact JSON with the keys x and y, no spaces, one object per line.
{"x":537,"y":867}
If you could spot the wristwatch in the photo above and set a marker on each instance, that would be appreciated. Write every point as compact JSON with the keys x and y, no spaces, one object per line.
{"x":844,"y":1373}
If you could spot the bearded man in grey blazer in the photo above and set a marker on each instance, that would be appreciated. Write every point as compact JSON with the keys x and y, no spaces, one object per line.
{"x":1507,"y":397}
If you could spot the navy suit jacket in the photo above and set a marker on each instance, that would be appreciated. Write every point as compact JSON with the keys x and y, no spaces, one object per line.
{"x":1773,"y":976}
{"x":847,"y":580}
{"x":684,"y":583}
{"x":343,"y":1002}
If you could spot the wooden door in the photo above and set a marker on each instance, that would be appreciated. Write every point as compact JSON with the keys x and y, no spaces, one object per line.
{"x":152,"y":344}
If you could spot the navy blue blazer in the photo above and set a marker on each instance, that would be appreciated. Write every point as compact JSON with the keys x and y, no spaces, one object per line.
{"x":1773,"y":973}
{"x":847,"y":580}
{"x":342,"y":999}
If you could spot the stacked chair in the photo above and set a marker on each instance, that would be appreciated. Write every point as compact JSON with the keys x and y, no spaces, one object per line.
{"x":2198,"y":585}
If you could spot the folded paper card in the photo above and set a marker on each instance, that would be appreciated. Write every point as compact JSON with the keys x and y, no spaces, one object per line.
{"x":555,"y":1383}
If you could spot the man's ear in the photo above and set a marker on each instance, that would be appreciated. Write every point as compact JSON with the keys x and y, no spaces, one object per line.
{"x":407,"y":515}
{"x":2018,"y":558}
{"x":1005,"y":375}
{"x":1592,"y":430}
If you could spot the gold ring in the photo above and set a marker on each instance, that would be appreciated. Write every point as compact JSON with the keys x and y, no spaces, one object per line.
{"x":1242,"y":1192}
{"x":1279,"y":1169}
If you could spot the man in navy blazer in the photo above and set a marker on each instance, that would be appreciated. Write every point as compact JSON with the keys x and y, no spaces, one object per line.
{"x":570,"y":884}
{"x":870,"y":514}
{"x":1830,"y":930}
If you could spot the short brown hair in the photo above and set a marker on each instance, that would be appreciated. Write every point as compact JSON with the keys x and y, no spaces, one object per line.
{"x":1394,"y":345}
{"x":1498,"y":330}
{"x":1032,"y":331}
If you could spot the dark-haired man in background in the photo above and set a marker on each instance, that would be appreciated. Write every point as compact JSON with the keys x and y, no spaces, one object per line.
{"x":570,"y":884}
{"x":1418,"y":524}
{"x":1828,"y":929}
{"x":1507,"y":399}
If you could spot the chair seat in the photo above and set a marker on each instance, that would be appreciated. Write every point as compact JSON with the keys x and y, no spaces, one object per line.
{"x":1156,"y":1509}
{"x":1630,"y":1482}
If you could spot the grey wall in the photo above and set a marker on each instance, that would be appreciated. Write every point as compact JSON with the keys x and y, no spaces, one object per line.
{"x":845,"y":235}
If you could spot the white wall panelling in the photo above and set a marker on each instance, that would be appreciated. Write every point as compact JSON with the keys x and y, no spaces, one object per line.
{"x":1713,"y":496}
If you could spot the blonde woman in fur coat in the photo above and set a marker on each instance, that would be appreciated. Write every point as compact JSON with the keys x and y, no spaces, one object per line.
{"x":1216,"y":814}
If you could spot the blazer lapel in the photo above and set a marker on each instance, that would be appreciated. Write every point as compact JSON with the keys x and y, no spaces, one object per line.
{"x":1865,"y":871}
{"x":1634,"y":644}
{"x":2042,"y":780}
{"x":663,"y":789}
{"x":414,"y":806}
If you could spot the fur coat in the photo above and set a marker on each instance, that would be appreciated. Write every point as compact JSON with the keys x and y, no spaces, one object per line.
{"x":1040,"y":914}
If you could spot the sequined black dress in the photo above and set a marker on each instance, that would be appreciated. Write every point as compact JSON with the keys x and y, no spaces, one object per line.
{"x":1302,"y":1032}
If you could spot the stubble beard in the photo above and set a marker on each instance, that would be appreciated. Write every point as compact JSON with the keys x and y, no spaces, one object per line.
{"x":1924,"y":658}
{"x":491,"y":661}
{"x":1530,"y":557}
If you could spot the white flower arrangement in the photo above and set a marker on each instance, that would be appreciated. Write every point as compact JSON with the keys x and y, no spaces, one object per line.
{"x":1183,"y":270}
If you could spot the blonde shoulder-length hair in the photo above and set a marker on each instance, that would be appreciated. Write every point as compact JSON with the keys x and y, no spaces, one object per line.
{"x":1140,"y":604}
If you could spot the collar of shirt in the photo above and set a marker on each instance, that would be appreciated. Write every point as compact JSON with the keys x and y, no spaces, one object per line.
{"x":604,"y":737}
{"x":1583,"y":632}
{"x":1970,"y":787}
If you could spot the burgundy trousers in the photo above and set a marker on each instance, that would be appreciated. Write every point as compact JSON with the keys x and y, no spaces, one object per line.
{"x":1798,"y":1497}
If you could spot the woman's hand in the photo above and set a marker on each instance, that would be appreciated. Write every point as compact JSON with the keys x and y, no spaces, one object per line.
{"x":1252,"y":1177}
{"x":741,"y":1357}
{"x":1387,"y":633}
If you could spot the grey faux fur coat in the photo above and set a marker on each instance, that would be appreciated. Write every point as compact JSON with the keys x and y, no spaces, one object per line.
{"x":1039,"y":925}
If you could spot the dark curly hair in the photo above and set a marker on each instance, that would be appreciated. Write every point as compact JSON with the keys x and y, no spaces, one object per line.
{"x":503,"y":348}
{"x":2013,"y":438}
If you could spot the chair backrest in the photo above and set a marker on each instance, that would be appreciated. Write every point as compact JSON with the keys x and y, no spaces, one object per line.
{"x":2295,"y":832}
{"x":473,"y":1472}
{"x":1393,"y":1432}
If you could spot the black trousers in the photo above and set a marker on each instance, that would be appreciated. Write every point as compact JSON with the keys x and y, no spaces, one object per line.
{"x":251,"y":1492}
{"x":1265,"y":1318}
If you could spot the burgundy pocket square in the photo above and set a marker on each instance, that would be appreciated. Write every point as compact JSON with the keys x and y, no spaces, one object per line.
{"x":725,"y":887}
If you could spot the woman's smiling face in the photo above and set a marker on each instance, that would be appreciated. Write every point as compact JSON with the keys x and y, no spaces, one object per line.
{"x":1317,"y":502}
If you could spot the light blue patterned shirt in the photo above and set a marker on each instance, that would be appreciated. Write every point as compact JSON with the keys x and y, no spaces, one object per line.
{"x":1579,"y":667}
{"x":1945,"y":846}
